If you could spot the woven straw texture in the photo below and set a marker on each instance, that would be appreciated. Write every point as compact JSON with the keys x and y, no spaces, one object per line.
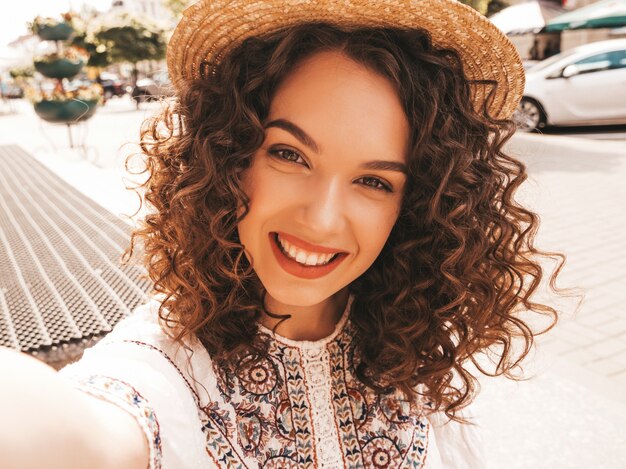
{"x":210,"y":29}
{"x":61,"y":282}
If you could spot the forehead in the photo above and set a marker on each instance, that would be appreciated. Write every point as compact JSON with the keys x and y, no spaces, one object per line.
{"x":341,"y":103}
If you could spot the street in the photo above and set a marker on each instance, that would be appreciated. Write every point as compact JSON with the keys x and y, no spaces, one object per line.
{"x":572,"y":411}
{"x":598,"y":132}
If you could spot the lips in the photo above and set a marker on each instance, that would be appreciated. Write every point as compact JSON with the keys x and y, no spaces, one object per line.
{"x":300,"y":243}
{"x":293,"y":267}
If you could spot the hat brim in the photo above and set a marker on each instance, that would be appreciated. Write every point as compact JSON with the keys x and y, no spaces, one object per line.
{"x":210,"y":29}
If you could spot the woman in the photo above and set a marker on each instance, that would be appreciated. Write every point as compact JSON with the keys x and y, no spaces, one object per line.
{"x":333,"y":239}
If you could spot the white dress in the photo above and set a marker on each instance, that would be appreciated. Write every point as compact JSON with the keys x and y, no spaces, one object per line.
{"x":301,"y":407}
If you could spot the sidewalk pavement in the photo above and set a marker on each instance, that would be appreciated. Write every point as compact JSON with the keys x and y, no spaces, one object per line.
{"x":571,"y":412}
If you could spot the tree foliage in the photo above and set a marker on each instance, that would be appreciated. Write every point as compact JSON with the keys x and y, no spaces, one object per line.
{"x":487,"y":7}
{"x":98,"y":53}
{"x":119,"y":37}
{"x":132,"y":40}
{"x":177,"y":6}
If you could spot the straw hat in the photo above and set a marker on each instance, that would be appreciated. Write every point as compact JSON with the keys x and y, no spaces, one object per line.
{"x":210,"y":29}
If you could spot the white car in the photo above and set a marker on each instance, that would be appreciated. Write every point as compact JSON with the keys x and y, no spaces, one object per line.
{"x":581,"y":86}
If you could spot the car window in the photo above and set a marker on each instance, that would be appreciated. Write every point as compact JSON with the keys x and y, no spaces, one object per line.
{"x":547,"y":62}
{"x":604,"y":61}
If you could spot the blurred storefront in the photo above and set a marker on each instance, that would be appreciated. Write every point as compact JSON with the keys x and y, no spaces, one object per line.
{"x":527,"y":23}
{"x":590,"y":21}
{"x":524,"y":22}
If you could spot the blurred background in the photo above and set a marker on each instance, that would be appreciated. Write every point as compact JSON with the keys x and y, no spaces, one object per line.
{"x":77,"y":79}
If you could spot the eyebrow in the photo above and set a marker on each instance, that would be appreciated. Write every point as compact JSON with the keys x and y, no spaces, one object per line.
{"x":302,"y":136}
{"x":295,"y":131}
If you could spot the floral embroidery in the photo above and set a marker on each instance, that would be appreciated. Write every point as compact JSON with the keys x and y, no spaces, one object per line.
{"x":128,"y":398}
{"x":303,"y":407}
{"x":381,"y":452}
{"x":257,"y":377}
{"x":219,"y":417}
{"x":219,"y":448}
{"x":419,"y":446}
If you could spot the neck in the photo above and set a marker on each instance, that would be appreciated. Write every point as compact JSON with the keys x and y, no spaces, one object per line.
{"x":306,"y":322}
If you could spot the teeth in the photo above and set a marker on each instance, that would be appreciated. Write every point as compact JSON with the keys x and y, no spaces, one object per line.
{"x":293,"y":252}
{"x":301,"y":257}
{"x":311,"y":259}
{"x":304,"y":257}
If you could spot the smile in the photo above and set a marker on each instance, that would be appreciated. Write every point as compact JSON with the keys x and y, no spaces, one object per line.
{"x":301,"y":256}
{"x":304,"y":260}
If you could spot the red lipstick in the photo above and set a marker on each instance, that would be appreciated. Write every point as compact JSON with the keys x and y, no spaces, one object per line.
{"x":300,"y":243}
{"x":292,"y":267}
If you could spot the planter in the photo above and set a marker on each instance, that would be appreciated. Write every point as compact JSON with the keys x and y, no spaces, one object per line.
{"x":55,"y":32}
{"x":66,"y":112}
{"x":60,"y":68}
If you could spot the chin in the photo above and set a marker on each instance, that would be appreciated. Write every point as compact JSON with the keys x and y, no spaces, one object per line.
{"x":300,"y":296}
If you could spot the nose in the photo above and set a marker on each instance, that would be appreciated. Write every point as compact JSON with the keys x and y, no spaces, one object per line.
{"x":323,"y":210}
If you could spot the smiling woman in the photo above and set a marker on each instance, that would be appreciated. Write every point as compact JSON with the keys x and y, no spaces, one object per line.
{"x":320,"y":182}
{"x":333,"y":239}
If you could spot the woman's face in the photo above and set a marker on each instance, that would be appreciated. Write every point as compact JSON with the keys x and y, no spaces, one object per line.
{"x":327,"y":181}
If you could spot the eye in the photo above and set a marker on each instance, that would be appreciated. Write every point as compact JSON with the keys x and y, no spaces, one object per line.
{"x":376,"y":183}
{"x":287,"y":155}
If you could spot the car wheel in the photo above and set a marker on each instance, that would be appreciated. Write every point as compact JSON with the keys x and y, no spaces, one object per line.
{"x":529,"y":115}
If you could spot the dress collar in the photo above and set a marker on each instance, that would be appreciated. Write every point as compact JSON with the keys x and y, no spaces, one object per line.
{"x":312,"y":344}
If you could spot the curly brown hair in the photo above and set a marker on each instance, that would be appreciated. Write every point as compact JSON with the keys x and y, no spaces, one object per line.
{"x":459,"y":265}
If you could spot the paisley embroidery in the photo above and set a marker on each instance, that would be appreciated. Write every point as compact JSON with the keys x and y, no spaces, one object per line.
{"x":395,"y":408}
{"x":304,"y":407}
{"x":252,"y":429}
{"x":284,"y":420}
{"x":358,"y":404}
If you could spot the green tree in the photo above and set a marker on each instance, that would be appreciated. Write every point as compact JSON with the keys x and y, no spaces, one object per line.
{"x":98,"y":52}
{"x":495,"y":6}
{"x":176,"y":6}
{"x":132,"y":40}
{"x":487,"y":7}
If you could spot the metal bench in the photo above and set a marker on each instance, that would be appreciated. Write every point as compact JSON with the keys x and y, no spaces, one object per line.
{"x":62,"y":284}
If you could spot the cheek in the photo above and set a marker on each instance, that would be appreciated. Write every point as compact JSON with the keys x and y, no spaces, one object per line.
{"x":373,"y":226}
{"x":265,"y":195}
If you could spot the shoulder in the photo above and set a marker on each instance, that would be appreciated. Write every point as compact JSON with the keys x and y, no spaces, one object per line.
{"x":142,"y":337}
{"x":141,"y":369}
{"x":455,"y":445}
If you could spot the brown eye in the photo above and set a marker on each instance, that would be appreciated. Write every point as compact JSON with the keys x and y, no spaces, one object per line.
{"x":375,"y":183}
{"x":287,"y":155}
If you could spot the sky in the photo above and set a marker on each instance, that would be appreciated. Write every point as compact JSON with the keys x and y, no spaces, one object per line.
{"x":20,"y":12}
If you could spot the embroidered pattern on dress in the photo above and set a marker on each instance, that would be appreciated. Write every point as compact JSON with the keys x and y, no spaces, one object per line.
{"x":303,"y":407}
{"x":128,"y":398}
{"x":385,"y":430}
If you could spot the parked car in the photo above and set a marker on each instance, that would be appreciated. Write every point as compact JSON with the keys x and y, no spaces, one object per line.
{"x":153,"y":87}
{"x":112,"y":85}
{"x":581,"y":86}
{"x":529,"y":63}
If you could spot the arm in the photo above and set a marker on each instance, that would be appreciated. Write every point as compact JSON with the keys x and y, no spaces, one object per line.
{"x":44,"y":422}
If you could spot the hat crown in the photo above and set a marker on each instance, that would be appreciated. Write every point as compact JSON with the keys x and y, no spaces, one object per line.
{"x":210,"y":29}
